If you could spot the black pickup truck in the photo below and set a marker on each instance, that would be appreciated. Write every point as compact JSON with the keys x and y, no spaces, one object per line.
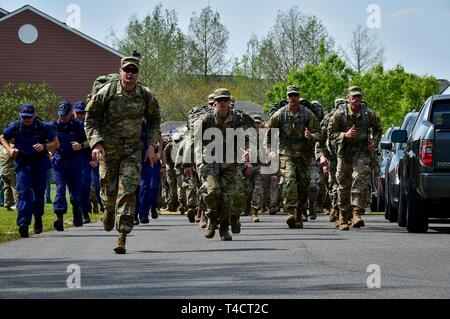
{"x":425,"y":167}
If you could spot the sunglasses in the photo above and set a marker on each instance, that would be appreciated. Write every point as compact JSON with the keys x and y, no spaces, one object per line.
{"x":293,"y":95}
{"x":130,"y":70}
{"x":26,"y":117}
{"x":223,"y":99}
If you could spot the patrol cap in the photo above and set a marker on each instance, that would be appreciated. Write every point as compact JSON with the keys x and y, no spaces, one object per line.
{"x":257,"y":118}
{"x":316,"y":102}
{"x":64,"y":108}
{"x":222,"y":93}
{"x":129,"y":60}
{"x":339,"y":101}
{"x":80,"y":107}
{"x":293,"y":89}
{"x":211,"y":98}
{"x":26,"y":110}
{"x":354,"y":90}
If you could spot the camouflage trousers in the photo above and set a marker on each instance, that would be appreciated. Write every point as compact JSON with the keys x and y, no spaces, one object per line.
{"x":120,"y":174}
{"x":171,"y":194}
{"x":191,"y":185}
{"x":315,"y":181}
{"x":11,"y":196}
{"x":333,"y":184}
{"x":295,"y":173}
{"x":181,"y":190}
{"x":239,"y":198}
{"x":354,"y":182}
{"x":219,"y":190}
{"x":254,"y":189}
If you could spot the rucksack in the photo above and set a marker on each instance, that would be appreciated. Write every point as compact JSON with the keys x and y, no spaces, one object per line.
{"x":241,"y":119}
{"x":112,"y":80}
{"x":18,"y":124}
{"x":275,"y":107}
{"x":282,"y":104}
{"x":195,"y":114}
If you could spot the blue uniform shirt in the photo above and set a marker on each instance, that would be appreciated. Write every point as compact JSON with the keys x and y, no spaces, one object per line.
{"x":72,"y":131}
{"x":27,"y":136}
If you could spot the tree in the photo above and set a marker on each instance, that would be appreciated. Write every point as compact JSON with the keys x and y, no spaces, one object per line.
{"x":323,"y":82}
{"x":162,"y":46}
{"x":364,"y":51}
{"x":208,"y":39}
{"x":14,"y":95}
{"x":292,"y":43}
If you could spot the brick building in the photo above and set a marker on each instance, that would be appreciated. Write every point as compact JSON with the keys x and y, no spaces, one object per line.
{"x":36,"y":47}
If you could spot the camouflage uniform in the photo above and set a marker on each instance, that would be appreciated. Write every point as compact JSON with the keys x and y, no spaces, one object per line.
{"x":172,"y":194}
{"x":220,"y":179}
{"x":115,"y":121}
{"x":353,"y":158}
{"x":295,"y":156}
{"x":8,"y":176}
{"x":254,"y":183}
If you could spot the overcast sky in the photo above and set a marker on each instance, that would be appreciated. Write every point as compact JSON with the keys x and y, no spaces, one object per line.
{"x":413,"y":31}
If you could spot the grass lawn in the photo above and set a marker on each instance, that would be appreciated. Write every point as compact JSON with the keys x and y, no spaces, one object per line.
{"x":9,"y":230}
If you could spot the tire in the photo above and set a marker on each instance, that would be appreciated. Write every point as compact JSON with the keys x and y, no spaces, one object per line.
{"x":416,"y":218}
{"x":393,"y":215}
{"x":401,"y":220}
{"x":373,"y":204}
{"x":380,"y":200}
{"x":387,"y":211}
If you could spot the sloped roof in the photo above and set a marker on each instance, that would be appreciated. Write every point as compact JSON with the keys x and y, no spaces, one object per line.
{"x":3,"y":11}
{"x":61,"y":24}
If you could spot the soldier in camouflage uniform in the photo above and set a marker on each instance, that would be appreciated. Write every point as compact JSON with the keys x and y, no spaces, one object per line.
{"x":113,"y":126}
{"x":254,"y":179}
{"x":349,"y":128}
{"x":325,"y":154}
{"x":220,"y":177}
{"x":8,"y":176}
{"x":298,"y":129}
{"x":171,"y":176}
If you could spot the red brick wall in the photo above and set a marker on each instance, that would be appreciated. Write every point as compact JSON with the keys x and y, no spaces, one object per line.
{"x":67,"y":62}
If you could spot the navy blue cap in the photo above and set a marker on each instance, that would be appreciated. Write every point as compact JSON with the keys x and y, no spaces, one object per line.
{"x":80,"y":107}
{"x":26,"y":110}
{"x":64,"y":108}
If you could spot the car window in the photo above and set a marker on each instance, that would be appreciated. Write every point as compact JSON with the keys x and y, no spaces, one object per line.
{"x":440,"y":115}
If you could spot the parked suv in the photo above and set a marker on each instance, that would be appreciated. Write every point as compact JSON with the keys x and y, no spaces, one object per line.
{"x":425,"y":173}
{"x":392,"y":169}
{"x":377,"y":204}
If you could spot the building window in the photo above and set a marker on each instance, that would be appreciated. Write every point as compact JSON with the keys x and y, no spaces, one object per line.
{"x":28,"y":33}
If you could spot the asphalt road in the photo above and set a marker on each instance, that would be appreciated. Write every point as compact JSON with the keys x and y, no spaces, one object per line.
{"x":170,"y":258}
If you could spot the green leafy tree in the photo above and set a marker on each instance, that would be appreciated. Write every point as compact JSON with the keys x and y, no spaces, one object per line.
{"x":162,"y":46}
{"x":14,"y":95}
{"x":208,"y":39}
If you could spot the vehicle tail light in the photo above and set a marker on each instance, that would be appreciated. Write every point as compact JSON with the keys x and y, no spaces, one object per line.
{"x":426,"y":153}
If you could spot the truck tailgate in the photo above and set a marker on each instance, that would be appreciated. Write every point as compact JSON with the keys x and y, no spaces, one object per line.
{"x":442,"y":150}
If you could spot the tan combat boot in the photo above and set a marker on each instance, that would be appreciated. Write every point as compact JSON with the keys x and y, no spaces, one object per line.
{"x":120,"y":245}
{"x":224,"y":232}
{"x":198,"y":216}
{"x":357,"y":220}
{"x":210,"y":228}
{"x":235,"y":224}
{"x":203,"y":220}
{"x":333,"y":216}
{"x":291,"y":220}
{"x":299,"y":220}
{"x":342,"y":223}
{"x":108,"y":220}
{"x":254,"y":215}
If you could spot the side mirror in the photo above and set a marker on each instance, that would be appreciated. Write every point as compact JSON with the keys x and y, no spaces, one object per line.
{"x":386,"y":146}
{"x":399,"y":136}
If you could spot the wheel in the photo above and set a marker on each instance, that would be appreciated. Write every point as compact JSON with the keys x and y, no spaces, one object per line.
{"x":416,"y":218}
{"x":401,"y":220}
{"x":373,"y":203}
{"x":393,"y":214}
{"x":380,"y":199}
{"x":387,"y":211}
